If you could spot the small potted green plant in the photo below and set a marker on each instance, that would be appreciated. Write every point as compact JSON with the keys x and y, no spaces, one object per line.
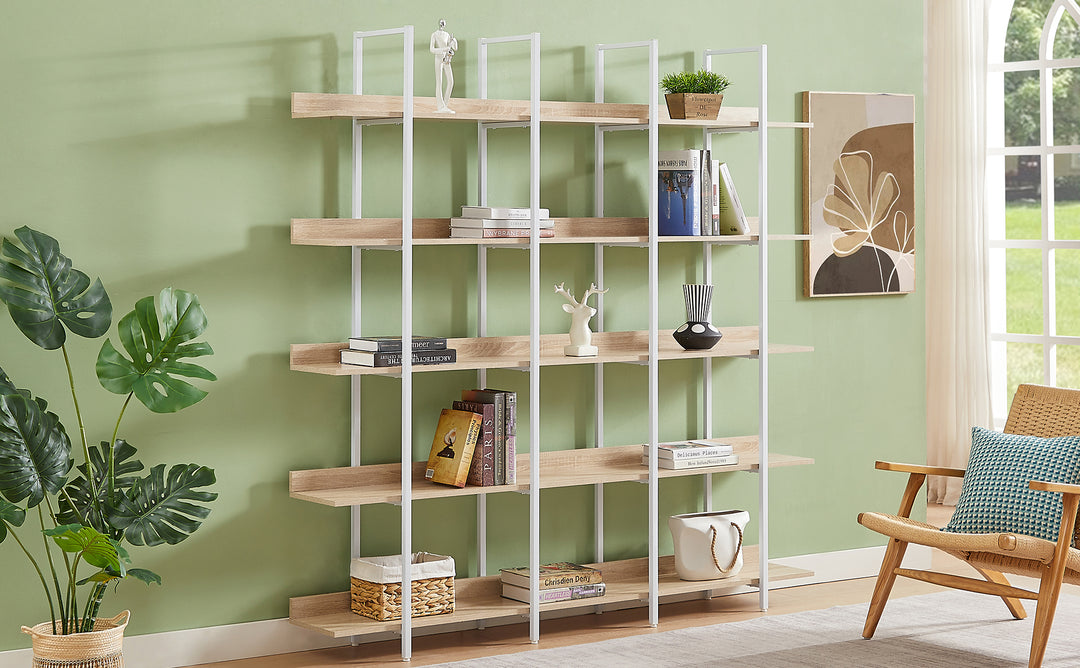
{"x":695,"y":95}
{"x":80,"y":515}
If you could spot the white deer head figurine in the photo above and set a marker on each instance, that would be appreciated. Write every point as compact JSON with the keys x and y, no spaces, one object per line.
{"x":580,"y":314}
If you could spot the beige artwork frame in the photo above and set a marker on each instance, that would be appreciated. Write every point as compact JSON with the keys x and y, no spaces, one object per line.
{"x":858,"y":194}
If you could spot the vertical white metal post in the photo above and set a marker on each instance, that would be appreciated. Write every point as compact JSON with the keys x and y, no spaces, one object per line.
{"x":598,"y":264}
{"x":534,"y":340}
{"x":763,"y":333}
{"x":654,"y":353}
{"x":406,"y":346}
{"x":707,"y":278}
{"x":354,"y":382}
{"x":482,"y":298}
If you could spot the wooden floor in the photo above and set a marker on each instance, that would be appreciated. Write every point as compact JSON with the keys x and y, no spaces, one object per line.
{"x":593,"y":628}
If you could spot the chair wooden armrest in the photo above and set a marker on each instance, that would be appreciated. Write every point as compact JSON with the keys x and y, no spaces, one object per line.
{"x":1061,"y":487}
{"x":919,"y":468}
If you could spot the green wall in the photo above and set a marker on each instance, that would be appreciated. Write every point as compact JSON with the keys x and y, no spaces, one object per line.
{"x":154,"y":141}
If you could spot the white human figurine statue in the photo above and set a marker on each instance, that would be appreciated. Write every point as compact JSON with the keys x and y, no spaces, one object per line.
{"x":444,"y":46}
{"x":580,"y":313}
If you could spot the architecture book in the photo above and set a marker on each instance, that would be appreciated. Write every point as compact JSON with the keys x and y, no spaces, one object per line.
{"x":692,"y":463}
{"x":732,"y":217}
{"x":679,"y":193}
{"x":524,"y":223}
{"x":365,"y":358}
{"x":555,"y":595}
{"x":554,"y":575}
{"x":392,"y":344}
{"x":482,"y":470}
{"x":497,"y":233}
{"x":452,"y":447}
{"x":501,"y":212}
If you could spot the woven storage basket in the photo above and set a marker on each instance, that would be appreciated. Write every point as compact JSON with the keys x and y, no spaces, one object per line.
{"x":376,"y":586}
{"x":101,"y":648}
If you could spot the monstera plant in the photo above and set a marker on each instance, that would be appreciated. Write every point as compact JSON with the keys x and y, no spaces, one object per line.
{"x":86,"y":513}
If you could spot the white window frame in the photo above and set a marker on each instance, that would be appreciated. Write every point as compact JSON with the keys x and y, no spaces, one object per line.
{"x":1000,"y":12}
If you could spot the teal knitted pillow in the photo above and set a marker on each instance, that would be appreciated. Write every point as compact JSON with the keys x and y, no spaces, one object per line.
{"x":995,"y":497}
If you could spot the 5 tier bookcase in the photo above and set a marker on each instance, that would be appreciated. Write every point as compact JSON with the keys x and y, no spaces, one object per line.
{"x":629,"y":582}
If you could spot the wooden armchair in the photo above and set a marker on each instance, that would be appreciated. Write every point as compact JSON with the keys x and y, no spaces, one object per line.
{"x":1035,"y":411}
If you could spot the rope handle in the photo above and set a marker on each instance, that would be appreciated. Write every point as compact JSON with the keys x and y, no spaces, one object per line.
{"x":115,"y":621}
{"x":712,"y":550}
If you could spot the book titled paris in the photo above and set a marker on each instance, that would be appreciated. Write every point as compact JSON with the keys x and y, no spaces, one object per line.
{"x":679,"y":190}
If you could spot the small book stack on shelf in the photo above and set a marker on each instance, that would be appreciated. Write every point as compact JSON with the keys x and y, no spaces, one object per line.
{"x":498,"y":222}
{"x":495,"y":462}
{"x":386,"y":351}
{"x":691,"y":455}
{"x":697,"y":196}
{"x":561,"y":581}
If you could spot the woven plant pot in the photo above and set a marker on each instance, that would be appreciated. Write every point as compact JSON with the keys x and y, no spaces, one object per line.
{"x":698,"y":106}
{"x":101,"y":648}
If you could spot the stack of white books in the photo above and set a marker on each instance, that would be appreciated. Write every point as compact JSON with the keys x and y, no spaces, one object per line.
{"x":691,"y":455}
{"x":498,"y":222}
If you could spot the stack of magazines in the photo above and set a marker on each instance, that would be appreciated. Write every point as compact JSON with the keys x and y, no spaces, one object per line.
{"x":560,"y":581}
{"x":498,"y":222}
{"x":691,"y":455}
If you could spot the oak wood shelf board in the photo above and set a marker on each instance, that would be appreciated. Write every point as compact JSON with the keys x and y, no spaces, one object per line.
{"x":389,"y":107}
{"x":386,"y":233}
{"x":381,"y":483}
{"x":512,"y":352}
{"x":480,"y":598}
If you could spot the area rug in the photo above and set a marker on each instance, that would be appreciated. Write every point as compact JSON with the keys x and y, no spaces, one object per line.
{"x":941,"y":630}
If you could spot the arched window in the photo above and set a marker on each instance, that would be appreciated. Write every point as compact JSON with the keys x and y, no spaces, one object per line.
{"x":1033,"y":188}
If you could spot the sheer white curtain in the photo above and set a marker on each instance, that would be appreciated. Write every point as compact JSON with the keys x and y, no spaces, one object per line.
{"x":957,"y":322}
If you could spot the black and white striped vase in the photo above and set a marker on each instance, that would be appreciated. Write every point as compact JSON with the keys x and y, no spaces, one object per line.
{"x":697,"y":333}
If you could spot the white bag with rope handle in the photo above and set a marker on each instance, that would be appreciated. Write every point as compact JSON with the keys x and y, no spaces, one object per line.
{"x":708,"y":546}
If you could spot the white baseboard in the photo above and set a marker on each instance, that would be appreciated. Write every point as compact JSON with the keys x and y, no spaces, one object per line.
{"x":173,"y":649}
{"x":848,"y":564}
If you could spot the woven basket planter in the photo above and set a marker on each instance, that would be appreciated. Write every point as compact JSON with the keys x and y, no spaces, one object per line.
{"x":376,"y":586}
{"x":694,"y":105}
{"x":101,"y":648}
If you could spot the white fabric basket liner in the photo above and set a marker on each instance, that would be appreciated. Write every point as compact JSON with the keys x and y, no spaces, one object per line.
{"x":384,"y":570}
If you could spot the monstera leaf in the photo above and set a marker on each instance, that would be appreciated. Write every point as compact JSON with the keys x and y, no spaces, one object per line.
{"x":94,"y":547}
{"x":80,"y":492}
{"x":157,"y":510}
{"x":6,"y":386}
{"x":10,"y":514}
{"x":156,"y":339}
{"x":45,"y":294}
{"x":35,"y":452}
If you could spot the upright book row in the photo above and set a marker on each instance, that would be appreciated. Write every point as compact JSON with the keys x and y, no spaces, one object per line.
{"x":475,"y":441}
{"x":697,"y":196}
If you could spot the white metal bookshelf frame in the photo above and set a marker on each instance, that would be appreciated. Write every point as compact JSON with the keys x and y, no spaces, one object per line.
{"x":406,"y":123}
{"x":653,"y":269}
{"x":407,"y":289}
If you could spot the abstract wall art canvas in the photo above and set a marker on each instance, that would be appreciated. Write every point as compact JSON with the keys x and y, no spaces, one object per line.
{"x":859,"y":194}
